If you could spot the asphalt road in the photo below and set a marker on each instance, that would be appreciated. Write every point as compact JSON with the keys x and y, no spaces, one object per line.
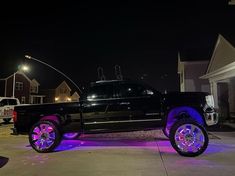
{"x":142,"y":153}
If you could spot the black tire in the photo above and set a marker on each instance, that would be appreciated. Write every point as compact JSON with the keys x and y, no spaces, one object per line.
{"x":71,"y":135}
{"x":188,"y":138}
{"x":7,"y":120}
{"x":44,"y":136}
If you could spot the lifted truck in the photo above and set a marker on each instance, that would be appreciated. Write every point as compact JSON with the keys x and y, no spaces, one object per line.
{"x":110,"y":106}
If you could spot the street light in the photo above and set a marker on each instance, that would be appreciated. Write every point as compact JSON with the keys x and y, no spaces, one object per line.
{"x":23,"y":68}
{"x":32,"y":58}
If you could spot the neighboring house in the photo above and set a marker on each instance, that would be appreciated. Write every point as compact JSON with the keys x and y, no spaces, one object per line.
{"x":221,"y":75}
{"x":35,"y":98}
{"x":49,"y":95}
{"x":75,"y":96}
{"x":189,"y":73}
{"x":26,"y":90}
{"x":62,"y":93}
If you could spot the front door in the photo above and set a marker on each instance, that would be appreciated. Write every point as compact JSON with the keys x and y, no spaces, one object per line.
{"x":95,"y":106}
{"x":143,"y":105}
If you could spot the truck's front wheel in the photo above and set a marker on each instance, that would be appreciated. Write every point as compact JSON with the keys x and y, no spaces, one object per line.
{"x":44,"y":136}
{"x":188,"y":138}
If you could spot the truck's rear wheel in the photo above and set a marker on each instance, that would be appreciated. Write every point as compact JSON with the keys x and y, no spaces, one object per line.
{"x":44,"y":136}
{"x":188,"y":138}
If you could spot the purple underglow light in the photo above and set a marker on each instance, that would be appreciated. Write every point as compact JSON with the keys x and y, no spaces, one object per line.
{"x":70,"y":135}
{"x":115,"y":141}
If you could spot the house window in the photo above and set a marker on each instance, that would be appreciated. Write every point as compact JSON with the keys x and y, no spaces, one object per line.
{"x":34,"y":89}
{"x":22,"y":100}
{"x":19,"y":86}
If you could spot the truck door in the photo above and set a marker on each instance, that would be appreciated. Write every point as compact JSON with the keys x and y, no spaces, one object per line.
{"x":95,"y":106}
{"x":143,"y":105}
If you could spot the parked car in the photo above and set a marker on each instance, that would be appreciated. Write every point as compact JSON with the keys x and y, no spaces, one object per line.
{"x":110,"y":106}
{"x":7,"y":105}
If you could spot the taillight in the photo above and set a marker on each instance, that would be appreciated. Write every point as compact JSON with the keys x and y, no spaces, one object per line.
{"x":14,"y":116}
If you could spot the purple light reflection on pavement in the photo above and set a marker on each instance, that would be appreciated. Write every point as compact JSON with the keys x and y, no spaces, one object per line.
{"x":95,"y":144}
{"x":217,"y":148}
{"x":118,"y":140}
{"x":165,"y":147}
{"x":89,"y":143}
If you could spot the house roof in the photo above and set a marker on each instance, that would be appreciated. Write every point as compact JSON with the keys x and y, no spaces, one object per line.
{"x":223,"y":54}
{"x":21,"y":73}
{"x":222,"y":62}
{"x":64,"y":84}
{"x":35,"y":81}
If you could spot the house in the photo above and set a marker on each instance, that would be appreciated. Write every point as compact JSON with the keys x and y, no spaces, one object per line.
{"x":62,"y":93}
{"x":49,"y":95}
{"x":25,"y":89}
{"x":189,"y":73}
{"x":75,"y":96}
{"x":221,"y":76}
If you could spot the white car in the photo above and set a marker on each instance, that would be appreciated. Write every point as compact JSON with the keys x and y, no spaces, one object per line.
{"x":7,"y":105}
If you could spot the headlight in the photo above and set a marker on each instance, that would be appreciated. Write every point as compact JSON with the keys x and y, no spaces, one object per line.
{"x":210,"y":101}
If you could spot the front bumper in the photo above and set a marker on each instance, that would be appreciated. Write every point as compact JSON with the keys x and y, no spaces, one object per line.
{"x":211,"y":118}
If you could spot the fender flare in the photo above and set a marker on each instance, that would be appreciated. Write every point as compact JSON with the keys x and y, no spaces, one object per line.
{"x":177,"y":112}
{"x":54,"y":118}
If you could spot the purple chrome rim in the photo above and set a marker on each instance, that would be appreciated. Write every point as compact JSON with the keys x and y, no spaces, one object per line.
{"x":189,"y":138}
{"x":43,"y":136}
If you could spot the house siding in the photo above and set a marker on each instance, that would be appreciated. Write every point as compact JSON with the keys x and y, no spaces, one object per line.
{"x":192,"y":72}
{"x":18,"y":93}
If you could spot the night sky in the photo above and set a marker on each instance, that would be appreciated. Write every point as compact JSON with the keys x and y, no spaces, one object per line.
{"x":143,"y":38}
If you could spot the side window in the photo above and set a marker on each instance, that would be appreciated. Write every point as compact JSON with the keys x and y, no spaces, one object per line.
{"x":23,"y":100}
{"x":4,"y":102}
{"x":131,"y":90}
{"x":19,"y":86}
{"x":100,"y":92}
{"x":12,"y":102}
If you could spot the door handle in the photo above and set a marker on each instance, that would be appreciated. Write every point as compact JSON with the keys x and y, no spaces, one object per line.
{"x":124,"y":103}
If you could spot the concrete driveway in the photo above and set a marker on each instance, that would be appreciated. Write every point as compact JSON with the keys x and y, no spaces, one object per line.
{"x":142,"y":153}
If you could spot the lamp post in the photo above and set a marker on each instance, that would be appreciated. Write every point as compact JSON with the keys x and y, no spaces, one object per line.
{"x":44,"y":63}
{"x":13,"y":88}
{"x":23,"y":68}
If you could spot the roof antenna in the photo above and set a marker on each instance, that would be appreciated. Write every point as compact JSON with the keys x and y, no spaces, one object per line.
{"x":118,"y":72}
{"x":100,"y":71}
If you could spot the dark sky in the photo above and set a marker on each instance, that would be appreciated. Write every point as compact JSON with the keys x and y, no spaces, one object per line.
{"x":143,"y":38}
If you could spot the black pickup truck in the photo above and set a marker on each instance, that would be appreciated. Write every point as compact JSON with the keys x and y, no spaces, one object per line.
{"x":111,"y":106}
